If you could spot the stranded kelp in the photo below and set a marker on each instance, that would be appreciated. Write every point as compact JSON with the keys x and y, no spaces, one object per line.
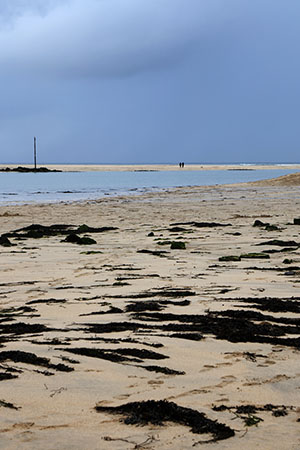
{"x":18,"y":356}
{"x":37,"y":231}
{"x":246,"y":412}
{"x":159,"y":412}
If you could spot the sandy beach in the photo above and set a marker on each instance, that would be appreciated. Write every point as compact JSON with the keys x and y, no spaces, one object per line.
{"x":154,"y":167}
{"x":172,"y":297}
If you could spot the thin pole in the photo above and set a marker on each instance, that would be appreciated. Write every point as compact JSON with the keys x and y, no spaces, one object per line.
{"x":34,"y":144}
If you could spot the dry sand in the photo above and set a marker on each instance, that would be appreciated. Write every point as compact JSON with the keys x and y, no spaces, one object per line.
{"x":59,"y":285}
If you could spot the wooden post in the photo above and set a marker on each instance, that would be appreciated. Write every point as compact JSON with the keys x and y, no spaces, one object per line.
{"x":34,"y":145}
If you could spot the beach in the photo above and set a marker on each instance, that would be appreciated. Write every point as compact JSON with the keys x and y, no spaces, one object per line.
{"x":187,"y":297}
{"x":153,"y":167}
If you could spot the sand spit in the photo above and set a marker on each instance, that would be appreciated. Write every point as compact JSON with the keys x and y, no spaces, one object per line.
{"x":155,"y":167}
{"x":119,"y":339}
{"x":292,"y":179}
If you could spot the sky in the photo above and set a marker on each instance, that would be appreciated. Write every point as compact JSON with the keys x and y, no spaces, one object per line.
{"x":150,"y":81}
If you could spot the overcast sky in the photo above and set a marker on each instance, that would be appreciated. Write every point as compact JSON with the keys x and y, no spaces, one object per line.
{"x":150,"y":81}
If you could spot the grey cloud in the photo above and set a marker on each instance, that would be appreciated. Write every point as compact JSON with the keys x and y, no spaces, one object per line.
{"x":101,"y":37}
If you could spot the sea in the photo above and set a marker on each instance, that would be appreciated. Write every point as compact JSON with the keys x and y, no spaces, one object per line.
{"x":21,"y":188}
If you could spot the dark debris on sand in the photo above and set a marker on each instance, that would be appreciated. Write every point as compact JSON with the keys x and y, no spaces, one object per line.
{"x":246,"y":412}
{"x":159,"y":412}
{"x":38,"y":231}
{"x":18,"y":356}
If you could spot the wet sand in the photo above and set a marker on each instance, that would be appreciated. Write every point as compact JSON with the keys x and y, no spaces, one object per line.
{"x":212,"y":327}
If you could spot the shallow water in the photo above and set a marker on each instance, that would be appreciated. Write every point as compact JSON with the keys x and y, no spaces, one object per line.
{"x":70,"y":186}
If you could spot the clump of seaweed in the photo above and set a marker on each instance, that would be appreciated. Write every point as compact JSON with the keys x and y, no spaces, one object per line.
{"x":159,"y":412}
{"x":75,"y":239}
{"x":30,"y":358}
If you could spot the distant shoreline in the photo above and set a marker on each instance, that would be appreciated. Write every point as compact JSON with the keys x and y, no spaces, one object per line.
{"x":26,"y":169}
{"x":145,"y":167}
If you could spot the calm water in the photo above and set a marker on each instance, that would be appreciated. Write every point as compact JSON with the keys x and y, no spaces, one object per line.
{"x":70,"y":186}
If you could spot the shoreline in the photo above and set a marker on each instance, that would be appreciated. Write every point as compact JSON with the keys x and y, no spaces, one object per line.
{"x":290,"y":180}
{"x":155,"y":167}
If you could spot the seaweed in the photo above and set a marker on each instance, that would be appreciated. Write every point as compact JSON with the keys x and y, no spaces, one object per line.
{"x":117,"y":355}
{"x":164,"y":370}
{"x":280,"y":243}
{"x":272,"y":304}
{"x":229,"y":258}
{"x":277,"y":410}
{"x":177,"y":245}
{"x":86,"y":229}
{"x":74,"y":238}
{"x":231,"y":329}
{"x":38,"y":231}
{"x":202,"y":224}
{"x":23,"y":328}
{"x":5,"y":242}
{"x":177,"y":229}
{"x":255,"y":256}
{"x":190,"y":336}
{"x":112,"y":310}
{"x":153,"y":305}
{"x":168,"y":292}
{"x":9,"y":405}
{"x":254,"y":315}
{"x":160,"y":253}
{"x":46,"y":301}
{"x":161,"y":411}
{"x":30,"y":358}
{"x":7,"y":376}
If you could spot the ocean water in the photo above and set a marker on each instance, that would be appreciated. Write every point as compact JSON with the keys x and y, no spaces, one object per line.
{"x":16,"y":188}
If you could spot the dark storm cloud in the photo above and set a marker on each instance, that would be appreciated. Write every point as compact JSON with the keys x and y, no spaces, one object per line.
{"x":150,"y":80}
{"x":100,"y":37}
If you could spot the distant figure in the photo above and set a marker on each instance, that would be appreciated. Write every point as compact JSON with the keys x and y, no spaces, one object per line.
{"x":182,"y":164}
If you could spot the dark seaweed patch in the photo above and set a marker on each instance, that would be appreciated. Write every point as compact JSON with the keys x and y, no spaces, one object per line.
{"x":190,"y":336}
{"x":177,"y":229}
{"x":159,"y":412}
{"x":38,"y":231}
{"x":277,"y":410}
{"x":254,"y":315}
{"x":164,"y":370}
{"x":229,"y":258}
{"x":75,"y":239}
{"x":23,"y":328}
{"x":175,"y":293}
{"x":153,"y":305}
{"x":5,"y":242}
{"x":111,"y":310}
{"x":202,"y":224}
{"x":232,"y":329}
{"x":117,"y":355}
{"x":46,"y":301}
{"x":30,"y":358}
{"x":7,"y":376}
{"x":280,"y":243}
{"x":177,"y":245}
{"x":271,"y":304}
{"x":9,"y":313}
{"x":160,"y":253}
{"x":255,"y":256}
{"x":9,"y":405}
